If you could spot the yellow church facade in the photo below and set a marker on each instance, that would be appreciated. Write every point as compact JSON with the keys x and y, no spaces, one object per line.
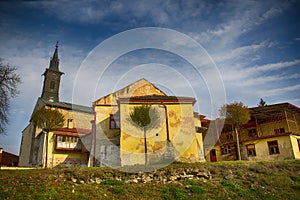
{"x":120,"y":142}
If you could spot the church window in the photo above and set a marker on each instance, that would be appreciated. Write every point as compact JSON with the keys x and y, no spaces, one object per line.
{"x":114,"y":122}
{"x":52,"y":84}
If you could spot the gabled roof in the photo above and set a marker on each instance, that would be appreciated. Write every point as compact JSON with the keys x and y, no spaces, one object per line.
{"x":65,"y":105}
{"x":142,"y":87}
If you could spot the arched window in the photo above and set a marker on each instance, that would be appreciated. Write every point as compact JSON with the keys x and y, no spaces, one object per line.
{"x":52,"y":85}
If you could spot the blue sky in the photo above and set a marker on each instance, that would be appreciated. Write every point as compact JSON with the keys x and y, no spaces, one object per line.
{"x":254,"y":45}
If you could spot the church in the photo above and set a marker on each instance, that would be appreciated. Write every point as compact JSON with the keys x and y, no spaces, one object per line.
{"x":63,"y":146}
{"x":105,"y":133}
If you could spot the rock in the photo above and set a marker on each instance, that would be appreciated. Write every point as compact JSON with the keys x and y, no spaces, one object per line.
{"x":74,"y":180}
{"x":172,"y":178}
{"x":91,"y":181}
{"x":135,"y":181}
{"x":98,"y":180}
{"x":228,"y":175}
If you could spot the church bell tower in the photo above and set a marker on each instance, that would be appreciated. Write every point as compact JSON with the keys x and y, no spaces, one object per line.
{"x":52,"y":79}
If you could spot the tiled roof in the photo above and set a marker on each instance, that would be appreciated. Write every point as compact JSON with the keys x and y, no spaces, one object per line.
{"x":68,"y":106}
{"x":158,"y":98}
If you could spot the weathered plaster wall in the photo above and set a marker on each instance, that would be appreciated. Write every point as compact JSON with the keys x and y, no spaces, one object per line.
{"x":80,"y":119}
{"x":105,"y":106}
{"x":295,"y":145}
{"x":26,"y":145}
{"x":181,"y":132}
{"x":262,"y":149}
{"x":105,"y":137}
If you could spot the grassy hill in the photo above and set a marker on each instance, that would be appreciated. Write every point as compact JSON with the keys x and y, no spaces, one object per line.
{"x":223,"y":180}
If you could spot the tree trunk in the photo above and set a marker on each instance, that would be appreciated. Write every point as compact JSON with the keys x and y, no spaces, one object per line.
{"x":46,"y":164}
{"x":145,"y":143}
{"x":237,"y":144}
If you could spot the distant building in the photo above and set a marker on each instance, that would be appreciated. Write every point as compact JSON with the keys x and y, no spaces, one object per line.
{"x":273,"y":133}
{"x":8,"y":159}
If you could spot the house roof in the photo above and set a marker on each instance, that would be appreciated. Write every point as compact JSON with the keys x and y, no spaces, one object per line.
{"x":68,"y":106}
{"x":273,"y":110}
{"x":158,"y":99}
{"x":74,"y":132}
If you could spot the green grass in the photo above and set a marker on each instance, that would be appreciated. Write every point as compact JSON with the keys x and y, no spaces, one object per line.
{"x":250,"y":180}
{"x":112,"y":182}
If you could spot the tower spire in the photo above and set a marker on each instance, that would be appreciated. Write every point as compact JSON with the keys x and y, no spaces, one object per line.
{"x":54,"y":63}
{"x":52,"y":78}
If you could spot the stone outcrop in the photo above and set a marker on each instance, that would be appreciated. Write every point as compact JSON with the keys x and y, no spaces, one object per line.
{"x":158,"y":176}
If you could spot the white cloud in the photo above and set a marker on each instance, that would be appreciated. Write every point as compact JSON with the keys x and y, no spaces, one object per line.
{"x":267,"y":79}
{"x":271,"y":66}
{"x":279,"y":91}
{"x":238,"y":52}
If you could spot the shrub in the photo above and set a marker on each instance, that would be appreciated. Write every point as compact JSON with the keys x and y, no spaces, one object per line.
{"x":112,"y":182}
{"x":295,"y":179}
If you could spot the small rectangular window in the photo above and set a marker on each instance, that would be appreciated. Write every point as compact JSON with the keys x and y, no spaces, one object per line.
{"x":229,"y":137}
{"x":228,"y":149}
{"x":251,"y":150}
{"x":279,"y":130}
{"x":273,"y":147}
{"x":252,"y":133}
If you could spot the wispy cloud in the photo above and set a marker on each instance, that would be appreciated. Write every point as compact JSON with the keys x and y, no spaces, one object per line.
{"x":267,"y":79}
{"x":279,"y":91}
{"x":271,"y":66}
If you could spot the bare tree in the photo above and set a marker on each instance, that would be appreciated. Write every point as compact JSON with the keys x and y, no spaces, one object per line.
{"x":9,"y":81}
